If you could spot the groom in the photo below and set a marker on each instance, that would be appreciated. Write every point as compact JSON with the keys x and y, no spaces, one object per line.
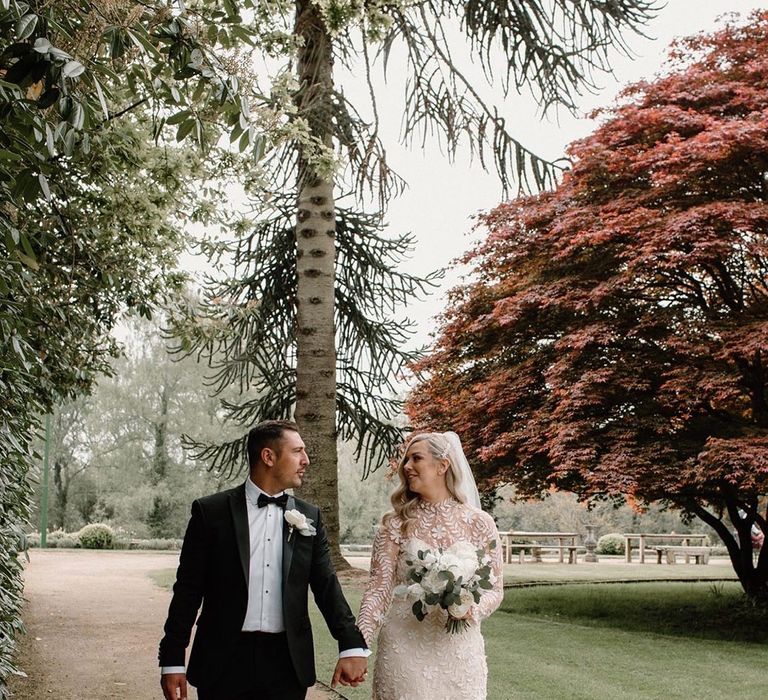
{"x":249,"y":556}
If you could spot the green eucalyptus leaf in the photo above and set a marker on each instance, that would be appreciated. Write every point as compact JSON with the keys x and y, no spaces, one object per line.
{"x":72,"y":69}
{"x":58,"y":132}
{"x":179,"y":117}
{"x":49,"y":140}
{"x":42,"y":45}
{"x":25,"y":27}
{"x":102,"y":101}
{"x":76,"y":116}
{"x":185,"y":129}
{"x":29,"y":261}
{"x":116,"y":43}
{"x":199,"y":91}
{"x":259,"y":147}
{"x":44,"y":186}
{"x":58,"y":54}
{"x":235,"y":134}
{"x":27,"y":246}
{"x":69,"y":142}
{"x":9,"y":155}
{"x":142,"y":42}
{"x":230,"y":7}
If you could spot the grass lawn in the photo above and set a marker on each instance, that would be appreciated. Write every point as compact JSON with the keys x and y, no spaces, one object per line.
{"x":613,"y":641}
{"x":615,"y":569}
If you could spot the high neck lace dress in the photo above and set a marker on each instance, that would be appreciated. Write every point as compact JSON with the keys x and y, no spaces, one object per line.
{"x":420,"y":660}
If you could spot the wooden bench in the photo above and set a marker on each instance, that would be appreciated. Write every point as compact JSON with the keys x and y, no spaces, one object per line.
{"x":537,"y":549}
{"x":700,"y":554}
{"x":572,"y":550}
{"x":685,"y":539}
{"x":522,"y":540}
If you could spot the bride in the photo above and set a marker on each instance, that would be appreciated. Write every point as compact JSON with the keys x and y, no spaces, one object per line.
{"x":436,"y":504}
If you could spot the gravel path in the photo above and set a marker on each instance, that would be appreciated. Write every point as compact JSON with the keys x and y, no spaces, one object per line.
{"x":94,"y":620}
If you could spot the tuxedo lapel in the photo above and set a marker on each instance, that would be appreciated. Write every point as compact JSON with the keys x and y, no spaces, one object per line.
{"x":240,"y":521}
{"x":288,"y":543}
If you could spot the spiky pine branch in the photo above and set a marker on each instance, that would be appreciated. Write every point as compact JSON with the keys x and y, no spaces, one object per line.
{"x":245,"y":328}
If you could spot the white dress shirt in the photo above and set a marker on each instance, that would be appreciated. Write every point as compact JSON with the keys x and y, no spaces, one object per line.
{"x":265,"y":578}
{"x":265,"y":570}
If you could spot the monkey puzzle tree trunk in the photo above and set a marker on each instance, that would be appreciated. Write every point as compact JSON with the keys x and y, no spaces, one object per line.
{"x":315,"y":240}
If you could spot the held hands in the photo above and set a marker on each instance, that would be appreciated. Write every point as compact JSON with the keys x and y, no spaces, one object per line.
{"x":174,"y":686}
{"x":350,"y":671}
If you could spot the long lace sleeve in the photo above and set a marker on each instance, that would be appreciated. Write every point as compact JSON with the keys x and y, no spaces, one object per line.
{"x":381,"y":582}
{"x":486,"y":532}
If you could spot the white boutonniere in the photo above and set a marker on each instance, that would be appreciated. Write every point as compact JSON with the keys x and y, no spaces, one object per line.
{"x":299,"y":521}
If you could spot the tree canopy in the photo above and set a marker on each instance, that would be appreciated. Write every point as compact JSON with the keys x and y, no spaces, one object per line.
{"x":87,"y":93}
{"x":614,"y":337}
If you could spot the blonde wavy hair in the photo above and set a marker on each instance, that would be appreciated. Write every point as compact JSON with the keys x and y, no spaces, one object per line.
{"x":404,"y":501}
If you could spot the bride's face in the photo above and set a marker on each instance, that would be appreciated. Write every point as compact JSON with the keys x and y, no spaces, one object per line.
{"x":423,"y":473}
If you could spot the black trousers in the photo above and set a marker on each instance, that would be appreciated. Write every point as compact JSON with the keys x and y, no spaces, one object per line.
{"x":259,"y":669}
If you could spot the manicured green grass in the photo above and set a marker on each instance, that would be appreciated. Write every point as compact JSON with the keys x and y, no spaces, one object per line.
{"x":542,"y":659}
{"x":696,"y":610}
{"x":676,"y":641}
{"x":615,"y":570}
{"x":612,"y":641}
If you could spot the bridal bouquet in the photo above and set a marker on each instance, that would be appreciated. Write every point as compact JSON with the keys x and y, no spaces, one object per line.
{"x":451,"y":579}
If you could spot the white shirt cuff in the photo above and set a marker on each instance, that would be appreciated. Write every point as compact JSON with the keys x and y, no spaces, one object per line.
{"x":365,"y":653}
{"x":172,"y":669}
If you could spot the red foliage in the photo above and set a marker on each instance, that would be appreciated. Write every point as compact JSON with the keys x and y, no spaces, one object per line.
{"x":615,"y":338}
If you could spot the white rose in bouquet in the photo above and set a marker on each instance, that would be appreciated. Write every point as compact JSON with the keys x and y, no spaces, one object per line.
{"x":464,"y":550}
{"x":461,"y":560}
{"x":450,"y":562}
{"x":433,"y":582}
{"x":416,"y":546}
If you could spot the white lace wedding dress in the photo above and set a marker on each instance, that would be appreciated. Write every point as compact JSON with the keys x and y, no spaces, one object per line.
{"x":420,"y":660}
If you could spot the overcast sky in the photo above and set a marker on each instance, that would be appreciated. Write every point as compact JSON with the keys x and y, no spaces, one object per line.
{"x":442,"y":197}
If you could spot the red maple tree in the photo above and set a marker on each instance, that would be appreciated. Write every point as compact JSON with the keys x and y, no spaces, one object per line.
{"x":613,"y":339}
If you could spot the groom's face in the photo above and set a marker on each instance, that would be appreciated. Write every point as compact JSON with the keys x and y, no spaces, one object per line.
{"x":291,"y":460}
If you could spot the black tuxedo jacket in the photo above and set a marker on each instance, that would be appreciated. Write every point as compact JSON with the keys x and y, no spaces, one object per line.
{"x":213,"y":570}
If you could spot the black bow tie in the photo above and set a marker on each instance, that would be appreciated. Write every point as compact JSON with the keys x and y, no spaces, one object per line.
{"x":277,"y":500}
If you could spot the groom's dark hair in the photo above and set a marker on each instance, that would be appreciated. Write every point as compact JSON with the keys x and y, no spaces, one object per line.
{"x":268,"y":433}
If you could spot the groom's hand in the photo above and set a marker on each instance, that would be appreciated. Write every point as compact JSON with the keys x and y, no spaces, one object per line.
{"x":174,"y":686}
{"x":350,"y":671}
